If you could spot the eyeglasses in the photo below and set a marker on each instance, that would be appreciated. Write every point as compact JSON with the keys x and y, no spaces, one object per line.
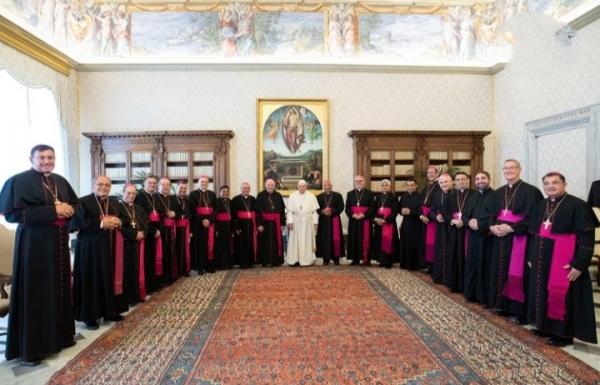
{"x":511,"y":168}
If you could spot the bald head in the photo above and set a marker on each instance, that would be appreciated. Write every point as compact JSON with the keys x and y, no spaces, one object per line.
{"x":245,"y":188}
{"x":102,"y":186}
{"x":270,"y":185}
{"x":327,"y":186}
{"x":164,"y":186}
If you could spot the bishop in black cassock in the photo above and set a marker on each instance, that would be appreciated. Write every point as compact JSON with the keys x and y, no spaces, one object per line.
{"x":385,"y":231}
{"x":359,"y":209}
{"x":457,"y":208}
{"x":441,"y":269}
{"x":560,"y":301}
{"x":40,"y":320}
{"x":428,"y":231}
{"x":203,"y":206}
{"x":330,"y":238}
{"x":243,"y":212}
{"x":508,"y":209}
{"x":270,"y":217}
{"x":479,"y":243}
{"x":99,"y":259}
{"x":169,"y":209}
{"x":153,"y":263}
{"x":223,"y":231}
{"x":411,"y":227}
{"x":183,"y":251}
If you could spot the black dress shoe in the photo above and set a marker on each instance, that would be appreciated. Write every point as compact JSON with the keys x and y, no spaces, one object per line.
{"x":540,"y":333}
{"x":117,"y":318}
{"x":91,"y":325}
{"x":336,"y":262}
{"x":521,"y":321}
{"x":33,"y":362}
{"x":325,"y":263}
{"x":354,"y":263}
{"x":559,"y":342}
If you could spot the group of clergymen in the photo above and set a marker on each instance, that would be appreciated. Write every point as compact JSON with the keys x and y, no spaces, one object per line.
{"x":509,"y":249}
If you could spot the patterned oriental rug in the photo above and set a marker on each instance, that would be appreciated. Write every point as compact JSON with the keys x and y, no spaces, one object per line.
{"x":318,"y":325}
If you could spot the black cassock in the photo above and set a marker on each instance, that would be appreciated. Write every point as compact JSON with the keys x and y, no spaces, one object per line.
{"x":168,"y":235}
{"x":441,"y":268}
{"x":384,"y":237}
{"x":327,"y":247}
{"x":425,"y":201}
{"x":223,"y":235}
{"x":520,"y":200}
{"x":270,"y":213}
{"x":154,"y":211}
{"x":479,"y":250}
{"x":594,"y":196}
{"x":184,"y":229}
{"x":94,"y":268}
{"x":410,"y":231}
{"x":41,"y":312}
{"x":134,"y":219}
{"x":575,"y":218}
{"x":359,"y":231}
{"x":457,"y":208}
{"x":243,"y":212}
{"x":203,"y":205}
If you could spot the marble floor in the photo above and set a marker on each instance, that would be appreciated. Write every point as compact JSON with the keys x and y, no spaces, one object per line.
{"x":12,"y":373}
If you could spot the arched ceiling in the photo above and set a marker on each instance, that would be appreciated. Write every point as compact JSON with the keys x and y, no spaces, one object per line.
{"x":450,"y":33}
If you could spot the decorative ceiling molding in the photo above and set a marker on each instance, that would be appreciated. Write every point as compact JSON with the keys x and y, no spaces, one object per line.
{"x":586,"y":16}
{"x":25,"y":42}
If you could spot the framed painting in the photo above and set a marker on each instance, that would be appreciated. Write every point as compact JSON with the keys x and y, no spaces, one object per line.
{"x":292,"y":143}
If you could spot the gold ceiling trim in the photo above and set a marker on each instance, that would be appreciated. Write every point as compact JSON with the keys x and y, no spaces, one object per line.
{"x":32,"y":46}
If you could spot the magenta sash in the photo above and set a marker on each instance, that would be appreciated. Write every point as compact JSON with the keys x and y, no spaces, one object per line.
{"x":154,"y":216}
{"x":558,"y":283}
{"x":170,"y":223}
{"x":211,"y":231}
{"x":275,"y":217}
{"x":458,"y":215}
{"x":223,"y":217}
{"x":60,"y":222}
{"x":118,"y":274}
{"x":185,"y":223}
{"x":516,"y":270}
{"x":158,"y":258}
{"x":247,"y":215}
{"x":387,"y":230}
{"x":430,"y":233}
{"x":366,"y":240}
{"x":141,"y":269}
{"x":337,"y":242}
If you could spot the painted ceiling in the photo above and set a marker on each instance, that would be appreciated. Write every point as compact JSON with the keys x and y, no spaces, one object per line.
{"x":303,"y":32}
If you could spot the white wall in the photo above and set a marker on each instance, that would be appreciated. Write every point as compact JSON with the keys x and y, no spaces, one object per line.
{"x":546,"y":77}
{"x":221,"y":100}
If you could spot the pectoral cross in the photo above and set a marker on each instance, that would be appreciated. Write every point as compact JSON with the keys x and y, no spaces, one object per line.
{"x":460,"y":216}
{"x":57,"y":202}
{"x":547,"y":224}
{"x":133,"y":224}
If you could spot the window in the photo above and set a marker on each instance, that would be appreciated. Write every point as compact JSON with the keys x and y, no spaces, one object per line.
{"x":28,"y":116}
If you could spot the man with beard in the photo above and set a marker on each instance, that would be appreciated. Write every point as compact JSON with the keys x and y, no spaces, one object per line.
{"x":243,"y":212}
{"x":428,"y":235}
{"x":479,"y":242}
{"x":411,"y":227}
{"x":440,"y":216}
{"x":560,"y":301}
{"x":359,"y":209}
{"x":509,"y":209}
{"x":202,"y":204}
{"x":40,"y":320}
{"x":457,"y":208}
{"x":330,"y":239}
{"x":270,"y":218}
{"x":99,"y":260}
{"x":153,"y":262}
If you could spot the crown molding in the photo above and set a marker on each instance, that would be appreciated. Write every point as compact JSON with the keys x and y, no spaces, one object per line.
{"x":18,"y":38}
{"x":589,"y":16}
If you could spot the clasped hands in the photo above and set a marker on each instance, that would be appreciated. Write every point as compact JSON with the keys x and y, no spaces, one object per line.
{"x":110,"y":223}
{"x":64,"y":210}
{"x":501,"y":230}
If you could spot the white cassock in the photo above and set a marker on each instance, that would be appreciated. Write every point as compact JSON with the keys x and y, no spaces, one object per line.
{"x":302,"y":212}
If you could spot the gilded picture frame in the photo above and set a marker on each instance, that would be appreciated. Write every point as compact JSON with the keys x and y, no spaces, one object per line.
{"x":292,"y":143}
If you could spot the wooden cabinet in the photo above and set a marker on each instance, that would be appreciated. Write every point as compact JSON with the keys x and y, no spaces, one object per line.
{"x":400,"y":155}
{"x":127,"y":157}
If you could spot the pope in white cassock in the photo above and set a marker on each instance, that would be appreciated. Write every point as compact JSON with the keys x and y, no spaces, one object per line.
{"x":302,"y":220}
